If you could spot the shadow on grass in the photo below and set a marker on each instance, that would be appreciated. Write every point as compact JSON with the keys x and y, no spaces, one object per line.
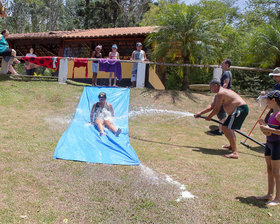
{"x":252,"y":201}
{"x":209,"y":133}
{"x":213,"y":151}
{"x":220,"y":151}
{"x":258,"y":149}
{"x":213,"y":127}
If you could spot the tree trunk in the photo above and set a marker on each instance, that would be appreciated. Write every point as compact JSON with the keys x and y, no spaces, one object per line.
{"x":186,"y":71}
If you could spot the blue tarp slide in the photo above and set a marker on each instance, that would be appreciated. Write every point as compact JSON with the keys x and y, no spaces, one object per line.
{"x":82,"y":142}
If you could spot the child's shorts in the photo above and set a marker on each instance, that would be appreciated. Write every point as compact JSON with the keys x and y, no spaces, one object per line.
{"x":95,"y":67}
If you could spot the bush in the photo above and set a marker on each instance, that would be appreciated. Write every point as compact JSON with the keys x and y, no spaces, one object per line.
{"x":173,"y":78}
{"x":251,"y":82}
{"x":244,"y":82}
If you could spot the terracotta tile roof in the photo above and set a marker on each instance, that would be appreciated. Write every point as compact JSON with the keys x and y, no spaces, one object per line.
{"x":40,"y":35}
{"x":90,"y":33}
{"x":111,"y":32}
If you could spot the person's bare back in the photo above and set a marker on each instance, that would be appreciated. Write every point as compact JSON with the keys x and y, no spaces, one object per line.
{"x":230,"y":99}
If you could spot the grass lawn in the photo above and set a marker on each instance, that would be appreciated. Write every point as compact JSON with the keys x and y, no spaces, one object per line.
{"x":34,"y":188}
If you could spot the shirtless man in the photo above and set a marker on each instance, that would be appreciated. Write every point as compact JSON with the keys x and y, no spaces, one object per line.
{"x":234,"y":106}
{"x":101,"y":114}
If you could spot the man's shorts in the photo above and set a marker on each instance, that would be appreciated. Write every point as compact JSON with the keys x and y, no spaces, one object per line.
{"x":95,"y":67}
{"x":272,"y":149}
{"x":222,"y":114}
{"x":236,"y":119}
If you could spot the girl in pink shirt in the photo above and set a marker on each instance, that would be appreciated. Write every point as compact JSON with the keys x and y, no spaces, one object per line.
{"x":272,"y":149}
{"x":114,"y":54}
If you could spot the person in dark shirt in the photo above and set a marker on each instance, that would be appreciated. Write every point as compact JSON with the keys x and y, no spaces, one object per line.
{"x":226,"y":82}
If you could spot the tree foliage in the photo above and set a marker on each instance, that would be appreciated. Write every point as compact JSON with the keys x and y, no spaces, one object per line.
{"x":266,"y":9}
{"x":264,"y":45}
{"x":227,"y":16}
{"x":46,"y":15}
{"x":34,"y":15}
{"x":183,"y":36}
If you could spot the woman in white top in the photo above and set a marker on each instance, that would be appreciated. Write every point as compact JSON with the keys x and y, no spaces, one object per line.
{"x":140,"y":55}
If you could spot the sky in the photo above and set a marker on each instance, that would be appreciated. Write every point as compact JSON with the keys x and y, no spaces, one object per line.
{"x":241,"y":3}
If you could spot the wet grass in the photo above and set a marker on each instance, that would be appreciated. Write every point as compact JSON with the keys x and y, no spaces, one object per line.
{"x":34,"y":188}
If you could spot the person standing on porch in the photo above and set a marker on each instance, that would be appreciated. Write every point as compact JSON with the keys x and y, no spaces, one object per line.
{"x":114,"y":54}
{"x":140,"y":55}
{"x":95,"y":54}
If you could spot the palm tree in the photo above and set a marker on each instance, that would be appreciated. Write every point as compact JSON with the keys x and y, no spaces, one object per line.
{"x":183,"y":37}
{"x":264,"y":45}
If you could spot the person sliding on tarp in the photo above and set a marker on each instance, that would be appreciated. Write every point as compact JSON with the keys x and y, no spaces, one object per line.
{"x":101,"y":114}
{"x":234,"y":106}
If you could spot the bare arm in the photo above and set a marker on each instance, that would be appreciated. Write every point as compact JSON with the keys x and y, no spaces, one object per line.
{"x":206,"y":110}
{"x":266,"y":130}
{"x":216,"y":107}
